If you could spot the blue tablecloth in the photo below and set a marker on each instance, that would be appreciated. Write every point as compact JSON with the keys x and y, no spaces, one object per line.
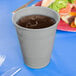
{"x":63,"y":60}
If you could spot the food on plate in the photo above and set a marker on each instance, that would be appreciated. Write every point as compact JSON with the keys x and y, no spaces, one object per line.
{"x":65,"y":8}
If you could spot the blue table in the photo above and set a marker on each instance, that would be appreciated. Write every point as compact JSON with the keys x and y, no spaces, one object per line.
{"x":63,"y":60}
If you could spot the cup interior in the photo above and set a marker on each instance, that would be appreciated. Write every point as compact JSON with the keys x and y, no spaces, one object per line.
{"x":35,"y":10}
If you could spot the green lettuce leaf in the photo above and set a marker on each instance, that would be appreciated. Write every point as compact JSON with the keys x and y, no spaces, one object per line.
{"x":71,"y":1}
{"x":58,"y":4}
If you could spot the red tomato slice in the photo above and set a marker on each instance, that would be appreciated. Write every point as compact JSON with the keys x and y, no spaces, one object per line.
{"x":66,"y":10}
{"x":73,"y":9}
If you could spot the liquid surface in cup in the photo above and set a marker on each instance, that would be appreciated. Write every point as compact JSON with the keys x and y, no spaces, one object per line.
{"x":36,"y":21}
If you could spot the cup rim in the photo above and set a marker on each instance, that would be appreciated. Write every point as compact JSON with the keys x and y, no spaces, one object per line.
{"x":23,"y":28}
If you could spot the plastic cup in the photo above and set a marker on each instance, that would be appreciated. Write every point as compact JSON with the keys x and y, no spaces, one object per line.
{"x":36,"y":44}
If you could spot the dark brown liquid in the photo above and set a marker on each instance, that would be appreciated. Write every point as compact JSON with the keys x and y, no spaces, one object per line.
{"x":36,"y":21}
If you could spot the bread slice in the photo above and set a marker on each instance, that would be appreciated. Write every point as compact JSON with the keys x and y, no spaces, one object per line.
{"x":46,"y":3}
{"x":65,"y":18}
{"x":75,"y":21}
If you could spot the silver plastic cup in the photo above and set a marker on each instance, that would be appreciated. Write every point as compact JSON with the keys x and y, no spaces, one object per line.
{"x":36,"y":44}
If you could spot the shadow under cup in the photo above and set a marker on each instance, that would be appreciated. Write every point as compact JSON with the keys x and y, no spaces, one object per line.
{"x":36,"y":44}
